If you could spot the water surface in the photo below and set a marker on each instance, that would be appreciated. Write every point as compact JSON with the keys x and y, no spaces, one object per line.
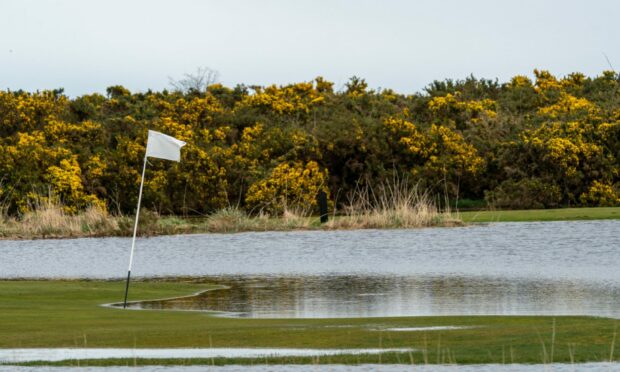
{"x":587,"y":367}
{"x":557,"y":268}
{"x":587,"y":250}
{"x":59,"y":354}
{"x":383,"y":296}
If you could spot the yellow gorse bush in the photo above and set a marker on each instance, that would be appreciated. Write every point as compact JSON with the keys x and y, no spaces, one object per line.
{"x":288,"y":187}
{"x":519,"y":81}
{"x":440,"y":150}
{"x":289,"y":99}
{"x":66,"y":183}
{"x":545,"y":81}
{"x":570,"y":106}
{"x":601,"y":194}
{"x":271,"y":148}
{"x":450,"y":152}
{"x":473,"y":110}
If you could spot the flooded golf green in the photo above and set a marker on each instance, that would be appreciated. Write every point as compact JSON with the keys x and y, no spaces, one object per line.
{"x":388,"y":296}
{"x":461,"y":294}
{"x":539,"y":268}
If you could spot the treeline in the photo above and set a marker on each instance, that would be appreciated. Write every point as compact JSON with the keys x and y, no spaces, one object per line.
{"x":545,"y":143}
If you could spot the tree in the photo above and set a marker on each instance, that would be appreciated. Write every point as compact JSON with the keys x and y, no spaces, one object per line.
{"x":196,"y":82}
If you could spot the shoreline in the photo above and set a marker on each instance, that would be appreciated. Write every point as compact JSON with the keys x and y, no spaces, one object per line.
{"x":225,"y":221}
{"x":117,"y":226}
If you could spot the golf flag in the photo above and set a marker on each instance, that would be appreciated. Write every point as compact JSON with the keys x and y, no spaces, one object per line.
{"x":162,"y":146}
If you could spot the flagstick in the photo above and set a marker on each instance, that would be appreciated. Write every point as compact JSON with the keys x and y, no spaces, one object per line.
{"x":135,"y":229}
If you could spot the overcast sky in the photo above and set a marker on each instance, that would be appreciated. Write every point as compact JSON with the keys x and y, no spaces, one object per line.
{"x":85,"y":46}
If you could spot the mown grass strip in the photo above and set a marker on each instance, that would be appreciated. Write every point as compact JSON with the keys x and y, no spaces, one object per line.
{"x":562,"y":214}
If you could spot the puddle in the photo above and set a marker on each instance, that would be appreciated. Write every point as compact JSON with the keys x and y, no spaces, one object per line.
{"x":354,"y":296}
{"x":58,"y":354}
{"x":423,"y":329}
{"x":556,"y":367}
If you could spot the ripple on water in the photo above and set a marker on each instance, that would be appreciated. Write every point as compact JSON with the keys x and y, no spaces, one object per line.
{"x":584,"y":250}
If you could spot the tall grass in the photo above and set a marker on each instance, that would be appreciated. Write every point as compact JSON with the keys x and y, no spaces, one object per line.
{"x":236,"y":220}
{"x":395,"y":204}
{"x":390,"y":205}
{"x":49,"y":220}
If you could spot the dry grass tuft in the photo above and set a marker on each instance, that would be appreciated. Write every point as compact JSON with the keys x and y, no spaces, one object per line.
{"x":49,"y":220}
{"x":296,"y":219}
{"x":227,"y":220}
{"x":395,"y":205}
{"x":236,"y":220}
{"x":392,"y":205}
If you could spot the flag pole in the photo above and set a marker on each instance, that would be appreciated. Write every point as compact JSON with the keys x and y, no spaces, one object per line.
{"x":135,"y":229}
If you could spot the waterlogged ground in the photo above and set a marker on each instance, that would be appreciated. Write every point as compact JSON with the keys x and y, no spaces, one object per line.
{"x":554,"y":268}
{"x":60,"y":354}
{"x":586,"y":367}
{"x":383,"y":296}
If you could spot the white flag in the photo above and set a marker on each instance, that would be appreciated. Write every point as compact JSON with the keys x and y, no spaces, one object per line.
{"x":162,"y":146}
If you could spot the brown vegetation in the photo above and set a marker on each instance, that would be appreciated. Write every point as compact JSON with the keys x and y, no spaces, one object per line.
{"x":390,"y":206}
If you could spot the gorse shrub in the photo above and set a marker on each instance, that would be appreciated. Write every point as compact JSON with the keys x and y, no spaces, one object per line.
{"x":602,"y":194}
{"x":526,"y":143}
{"x":288,"y":187}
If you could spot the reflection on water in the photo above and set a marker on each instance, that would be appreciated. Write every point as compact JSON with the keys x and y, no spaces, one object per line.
{"x":557,"y":367}
{"x":502,"y":268}
{"x":375,"y":296}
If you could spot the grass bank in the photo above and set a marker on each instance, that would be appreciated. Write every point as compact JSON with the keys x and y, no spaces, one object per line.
{"x":561,"y":214}
{"x":390,"y":206}
{"x":67,"y":314}
{"x":52,"y":222}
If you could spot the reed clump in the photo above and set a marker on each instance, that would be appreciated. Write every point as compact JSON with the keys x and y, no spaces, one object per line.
{"x":394,"y":204}
{"x":50,"y":220}
{"x":390,"y":205}
{"x":234,"y":219}
{"x":228,"y":220}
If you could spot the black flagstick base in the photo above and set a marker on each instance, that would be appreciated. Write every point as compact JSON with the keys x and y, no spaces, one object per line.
{"x":126,"y":289}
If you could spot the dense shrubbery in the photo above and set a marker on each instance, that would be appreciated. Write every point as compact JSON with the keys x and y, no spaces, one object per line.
{"x":522,"y":144}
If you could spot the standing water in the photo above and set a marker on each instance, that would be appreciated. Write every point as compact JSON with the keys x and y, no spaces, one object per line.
{"x":501,"y":268}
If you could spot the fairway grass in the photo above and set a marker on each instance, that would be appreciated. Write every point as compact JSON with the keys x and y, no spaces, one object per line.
{"x":47,"y":314}
{"x":562,"y":214}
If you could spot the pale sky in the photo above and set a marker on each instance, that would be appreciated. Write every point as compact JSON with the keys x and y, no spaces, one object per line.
{"x":85,"y":46}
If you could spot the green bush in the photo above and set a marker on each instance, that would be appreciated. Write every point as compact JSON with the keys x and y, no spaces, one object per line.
{"x":529,"y":193}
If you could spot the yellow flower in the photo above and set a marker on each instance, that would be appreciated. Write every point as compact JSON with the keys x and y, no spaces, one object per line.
{"x":288,"y":187}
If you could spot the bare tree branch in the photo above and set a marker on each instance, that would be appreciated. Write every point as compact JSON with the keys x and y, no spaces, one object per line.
{"x":198,"y":81}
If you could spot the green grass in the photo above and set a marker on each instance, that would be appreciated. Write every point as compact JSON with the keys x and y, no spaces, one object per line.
{"x":562,"y":214}
{"x":67,"y":314}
